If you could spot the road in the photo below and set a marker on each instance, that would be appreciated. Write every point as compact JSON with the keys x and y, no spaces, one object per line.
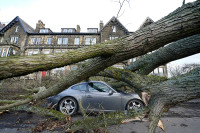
{"x":184,"y":118}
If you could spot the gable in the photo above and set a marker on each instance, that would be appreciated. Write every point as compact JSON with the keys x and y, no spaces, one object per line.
{"x":26,"y":28}
{"x":116,"y":22}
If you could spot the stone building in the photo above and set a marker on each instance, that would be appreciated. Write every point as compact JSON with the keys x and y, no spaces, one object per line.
{"x":17,"y":37}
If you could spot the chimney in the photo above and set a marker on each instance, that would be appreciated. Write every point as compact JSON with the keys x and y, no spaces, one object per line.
{"x":78,"y":28}
{"x":39,"y":25}
{"x":100,"y":25}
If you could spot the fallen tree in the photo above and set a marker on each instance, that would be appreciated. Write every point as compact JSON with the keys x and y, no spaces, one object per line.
{"x":181,"y":23}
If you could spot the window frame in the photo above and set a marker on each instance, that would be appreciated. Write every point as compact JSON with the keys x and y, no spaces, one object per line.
{"x":49,"y":40}
{"x":59,"y":42}
{"x":17,"y":29}
{"x":65,"y":40}
{"x":77,"y":41}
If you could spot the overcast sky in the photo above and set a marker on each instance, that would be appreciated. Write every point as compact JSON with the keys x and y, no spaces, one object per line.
{"x":57,"y":14}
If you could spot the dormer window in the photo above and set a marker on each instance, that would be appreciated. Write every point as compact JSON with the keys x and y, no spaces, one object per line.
{"x":114,"y":29}
{"x":70,"y":30}
{"x":64,"y":31}
{"x":17,"y":29}
{"x":43,"y":30}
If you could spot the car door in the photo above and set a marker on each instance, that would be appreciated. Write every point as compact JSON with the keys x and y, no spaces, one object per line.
{"x":99,"y":98}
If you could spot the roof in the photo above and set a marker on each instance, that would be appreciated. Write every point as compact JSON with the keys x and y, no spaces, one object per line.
{"x":114,"y":19}
{"x":146,"y":22}
{"x":27,"y":28}
{"x":62,"y":33}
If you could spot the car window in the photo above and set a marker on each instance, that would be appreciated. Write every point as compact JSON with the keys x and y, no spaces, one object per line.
{"x":98,"y":87}
{"x":81,"y":87}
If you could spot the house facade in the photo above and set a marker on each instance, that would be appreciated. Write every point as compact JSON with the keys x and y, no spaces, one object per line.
{"x":19,"y":38}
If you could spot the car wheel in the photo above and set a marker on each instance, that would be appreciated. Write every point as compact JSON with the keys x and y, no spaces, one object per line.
{"x":134,"y":104}
{"x":68,"y":106}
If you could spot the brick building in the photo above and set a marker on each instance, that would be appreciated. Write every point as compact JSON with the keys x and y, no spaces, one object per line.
{"x":17,"y":37}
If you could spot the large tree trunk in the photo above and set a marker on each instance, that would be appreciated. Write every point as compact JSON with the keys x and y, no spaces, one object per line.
{"x":183,"y":22}
{"x":176,"y":50}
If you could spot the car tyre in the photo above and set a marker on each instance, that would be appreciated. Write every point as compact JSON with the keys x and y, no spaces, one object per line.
{"x":68,"y":106}
{"x":135,"y":104}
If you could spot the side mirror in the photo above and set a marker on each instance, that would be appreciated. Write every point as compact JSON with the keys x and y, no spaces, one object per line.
{"x":110,"y":92}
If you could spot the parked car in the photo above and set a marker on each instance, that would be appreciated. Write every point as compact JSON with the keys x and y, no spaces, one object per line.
{"x":94,"y":96}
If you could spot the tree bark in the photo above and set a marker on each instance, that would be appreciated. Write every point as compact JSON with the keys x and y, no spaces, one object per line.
{"x":181,"y":23}
{"x":176,"y":50}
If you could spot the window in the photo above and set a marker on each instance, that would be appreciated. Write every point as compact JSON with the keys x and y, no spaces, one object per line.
{"x":70,"y":30}
{"x":38,"y":40}
{"x":89,"y":41}
{"x":64,"y":30}
{"x":57,"y":70}
{"x":113,"y":38}
{"x":98,"y":87}
{"x":65,"y":40}
{"x":43,"y":31}
{"x":58,"y":51}
{"x":161,"y":71}
{"x":30,"y":52}
{"x":1,"y":39}
{"x":0,"y":51}
{"x":77,"y":41}
{"x":17,"y":29}
{"x":14,"y":40}
{"x":59,"y":41}
{"x":4,"y":52}
{"x":114,"y":29}
{"x":81,"y":87}
{"x":46,"y":51}
{"x":35,"y":52}
{"x":74,"y":68}
{"x":49,"y":40}
{"x":10,"y":51}
{"x":33,"y":40}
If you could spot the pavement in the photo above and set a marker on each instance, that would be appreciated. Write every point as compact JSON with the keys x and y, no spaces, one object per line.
{"x":184,"y":118}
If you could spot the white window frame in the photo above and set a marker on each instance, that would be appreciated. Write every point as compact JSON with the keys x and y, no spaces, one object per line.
{"x":46,"y":52}
{"x":77,"y":41}
{"x":65,"y":40}
{"x":35,"y":52}
{"x":114,"y":28}
{"x":30,"y":52}
{"x":2,"y":39}
{"x":70,"y":30}
{"x":90,"y":40}
{"x":17,"y":29}
{"x":64,"y":30}
{"x":0,"y":51}
{"x":38,"y":41}
{"x":49,"y":40}
{"x":113,"y":37}
{"x":14,"y":40}
{"x":59,"y":41}
{"x":4,"y":53}
{"x":33,"y":40}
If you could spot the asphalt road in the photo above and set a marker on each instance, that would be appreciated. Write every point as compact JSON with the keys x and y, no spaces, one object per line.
{"x":184,"y":118}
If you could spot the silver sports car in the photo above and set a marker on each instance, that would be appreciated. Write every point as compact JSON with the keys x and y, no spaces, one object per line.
{"x":94,"y":96}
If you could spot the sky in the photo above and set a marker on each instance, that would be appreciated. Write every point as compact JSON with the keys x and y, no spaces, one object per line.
{"x":57,"y":14}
